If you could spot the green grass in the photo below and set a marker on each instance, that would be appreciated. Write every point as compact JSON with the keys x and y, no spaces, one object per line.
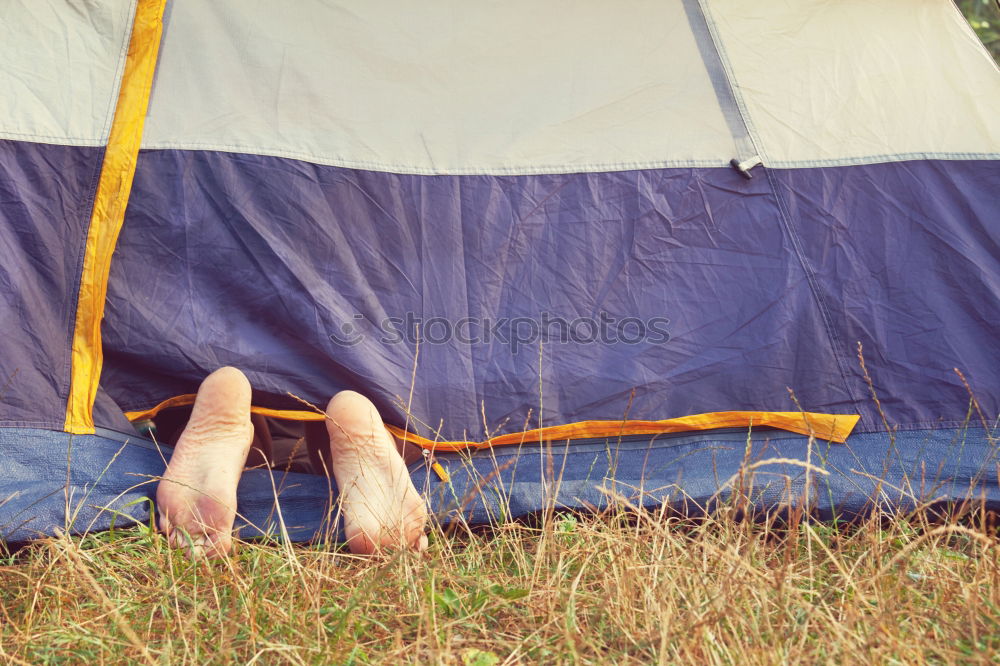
{"x":984,"y":16}
{"x":616,"y":588}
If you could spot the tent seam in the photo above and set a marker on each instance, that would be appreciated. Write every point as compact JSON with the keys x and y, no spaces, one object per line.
{"x":810,"y":273}
{"x":783,"y":212}
{"x":109,"y":113}
{"x":550,"y":169}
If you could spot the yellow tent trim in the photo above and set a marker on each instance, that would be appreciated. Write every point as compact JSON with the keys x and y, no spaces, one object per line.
{"x":828,"y":427}
{"x":108,"y":214}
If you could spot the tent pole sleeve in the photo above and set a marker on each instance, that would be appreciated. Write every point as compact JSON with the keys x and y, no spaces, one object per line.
{"x":108,"y":213}
{"x":723,"y":82}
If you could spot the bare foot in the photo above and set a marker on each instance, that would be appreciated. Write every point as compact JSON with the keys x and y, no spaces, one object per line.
{"x":381,"y":507}
{"x":197,"y":497}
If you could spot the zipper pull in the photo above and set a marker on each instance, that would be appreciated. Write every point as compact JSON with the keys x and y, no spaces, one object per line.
{"x":438,"y":468}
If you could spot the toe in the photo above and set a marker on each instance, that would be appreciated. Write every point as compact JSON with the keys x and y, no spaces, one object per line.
{"x":176,"y":538}
{"x":199,"y":546}
{"x":218,"y":545}
{"x":162,"y":522}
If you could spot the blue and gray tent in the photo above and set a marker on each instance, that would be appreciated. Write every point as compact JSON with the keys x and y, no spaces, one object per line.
{"x":582,"y":253}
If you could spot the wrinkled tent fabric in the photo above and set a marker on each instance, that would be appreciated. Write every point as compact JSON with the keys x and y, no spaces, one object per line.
{"x":322,"y":195}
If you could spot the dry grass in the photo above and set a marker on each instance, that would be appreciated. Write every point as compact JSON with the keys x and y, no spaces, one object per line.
{"x":617,"y":588}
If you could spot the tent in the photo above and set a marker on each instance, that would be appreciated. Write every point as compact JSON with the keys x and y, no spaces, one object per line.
{"x":583,"y":253}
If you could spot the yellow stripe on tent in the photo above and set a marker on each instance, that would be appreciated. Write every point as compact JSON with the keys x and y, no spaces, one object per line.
{"x":827,"y":427}
{"x":106,"y":219}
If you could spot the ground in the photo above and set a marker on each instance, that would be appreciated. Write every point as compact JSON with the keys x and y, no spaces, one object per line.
{"x":615,"y":588}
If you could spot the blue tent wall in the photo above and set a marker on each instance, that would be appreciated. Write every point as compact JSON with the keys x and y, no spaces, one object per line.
{"x":267,"y":285}
{"x":768,"y":285}
{"x":46,"y":194}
